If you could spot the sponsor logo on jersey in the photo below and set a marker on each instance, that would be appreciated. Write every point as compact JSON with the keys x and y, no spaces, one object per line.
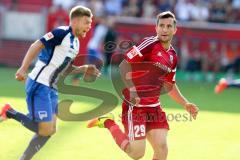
{"x":133,"y":52}
{"x":163,"y":67}
{"x":48,"y":36}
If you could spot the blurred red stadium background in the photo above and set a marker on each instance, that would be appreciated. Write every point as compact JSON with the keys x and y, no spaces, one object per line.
{"x":132,"y":22}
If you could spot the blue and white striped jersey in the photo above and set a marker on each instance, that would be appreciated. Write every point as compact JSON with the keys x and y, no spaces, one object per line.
{"x":61,"y":47}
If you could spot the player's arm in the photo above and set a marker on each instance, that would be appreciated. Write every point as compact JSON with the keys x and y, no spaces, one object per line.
{"x":132,"y":56}
{"x":49,"y":40}
{"x":32,"y":52}
{"x":88,"y":69}
{"x":177,"y":96}
{"x":125,"y":70}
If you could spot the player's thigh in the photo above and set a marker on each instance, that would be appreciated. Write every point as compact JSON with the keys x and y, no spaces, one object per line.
{"x":42,"y":106}
{"x":135,"y":128}
{"x":49,"y":127}
{"x":157,"y":138}
{"x":46,"y":128}
{"x":39,"y":102}
{"x":157,"y":127}
{"x":54,"y":101}
{"x":31,"y":88}
{"x":54,"y":123}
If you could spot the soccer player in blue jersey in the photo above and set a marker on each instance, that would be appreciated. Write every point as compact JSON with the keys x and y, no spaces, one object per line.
{"x":56,"y":51}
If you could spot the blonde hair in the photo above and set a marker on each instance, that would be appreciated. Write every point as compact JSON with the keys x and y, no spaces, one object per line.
{"x":79,"y":11}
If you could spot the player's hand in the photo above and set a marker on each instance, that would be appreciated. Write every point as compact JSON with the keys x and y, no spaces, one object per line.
{"x":91,"y":72}
{"x":192,"y":109}
{"x":134,"y":99}
{"x":21,"y":74}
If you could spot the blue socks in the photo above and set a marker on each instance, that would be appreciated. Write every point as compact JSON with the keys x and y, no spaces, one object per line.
{"x":37,"y":141}
{"x":25,"y":120}
{"x":34,"y":146}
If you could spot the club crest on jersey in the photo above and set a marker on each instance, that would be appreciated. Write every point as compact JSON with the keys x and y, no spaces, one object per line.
{"x":48,"y":36}
{"x":134,"y":52}
{"x":159,"y":54}
{"x":171,"y":59}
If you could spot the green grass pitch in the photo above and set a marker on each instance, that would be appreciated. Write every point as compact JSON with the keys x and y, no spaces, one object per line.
{"x":213,"y":136}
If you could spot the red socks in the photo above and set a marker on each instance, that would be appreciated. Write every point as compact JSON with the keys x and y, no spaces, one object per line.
{"x":120,"y":138}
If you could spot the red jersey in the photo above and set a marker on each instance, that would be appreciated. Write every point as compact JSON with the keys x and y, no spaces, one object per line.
{"x":153,"y":70}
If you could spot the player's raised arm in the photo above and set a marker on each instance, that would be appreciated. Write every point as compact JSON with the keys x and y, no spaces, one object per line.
{"x":32,"y":52}
{"x":177,"y":96}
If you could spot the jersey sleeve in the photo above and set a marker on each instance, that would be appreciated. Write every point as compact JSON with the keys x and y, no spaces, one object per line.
{"x":53,"y":38}
{"x":133,"y":55}
{"x":137,"y":53}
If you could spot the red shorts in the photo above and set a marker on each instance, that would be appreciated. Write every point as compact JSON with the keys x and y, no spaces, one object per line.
{"x":138,"y":121}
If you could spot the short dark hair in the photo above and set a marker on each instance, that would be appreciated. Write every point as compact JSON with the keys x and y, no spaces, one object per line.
{"x":79,"y":11}
{"x":166,"y":14}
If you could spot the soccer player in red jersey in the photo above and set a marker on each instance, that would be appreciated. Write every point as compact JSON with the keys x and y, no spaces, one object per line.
{"x":142,"y":114}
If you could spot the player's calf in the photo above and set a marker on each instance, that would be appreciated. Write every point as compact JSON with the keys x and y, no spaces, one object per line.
{"x":158,"y":141}
{"x":161,"y":152}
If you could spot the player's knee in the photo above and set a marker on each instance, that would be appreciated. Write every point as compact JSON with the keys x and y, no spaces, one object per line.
{"x":162,"y":147}
{"x":136,"y":150}
{"x":136,"y":154}
{"x":46,"y":131}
